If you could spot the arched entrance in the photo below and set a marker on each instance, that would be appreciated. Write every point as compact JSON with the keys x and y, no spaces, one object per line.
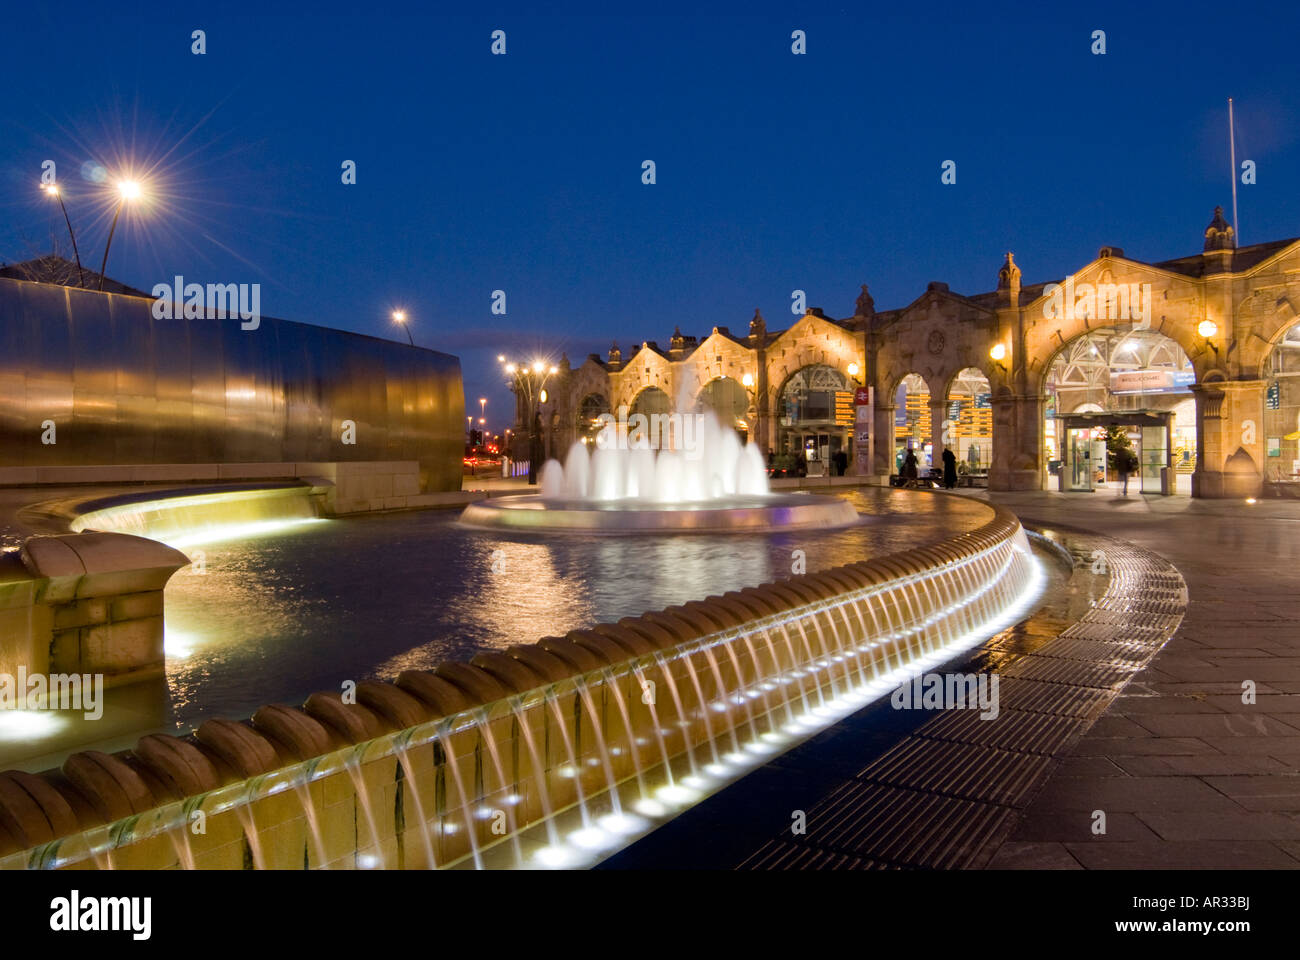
{"x":1282,"y":416}
{"x":651,"y":401}
{"x":816,"y":419}
{"x":1121,"y":391}
{"x":913,"y":427}
{"x":593,"y":406}
{"x":968,"y":429}
{"x":729,"y":402}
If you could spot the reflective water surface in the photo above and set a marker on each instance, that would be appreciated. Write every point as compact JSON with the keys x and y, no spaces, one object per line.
{"x":278,"y":617}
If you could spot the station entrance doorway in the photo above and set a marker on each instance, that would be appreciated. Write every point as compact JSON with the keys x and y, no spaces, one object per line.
{"x":1090,"y":460}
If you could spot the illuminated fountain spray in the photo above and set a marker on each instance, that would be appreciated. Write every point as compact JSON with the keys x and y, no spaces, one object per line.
{"x":667,"y":474}
{"x":703,"y":463}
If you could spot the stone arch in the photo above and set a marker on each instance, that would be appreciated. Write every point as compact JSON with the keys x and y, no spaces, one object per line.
{"x":1280,"y":425}
{"x":647,"y":367}
{"x":1119,"y":368}
{"x":969,"y":426}
{"x":912,"y":423}
{"x":1120,"y":333}
{"x":728,"y":399}
{"x":809,"y":409}
{"x":589,"y":408}
{"x":812,"y":341}
{"x":651,"y":400}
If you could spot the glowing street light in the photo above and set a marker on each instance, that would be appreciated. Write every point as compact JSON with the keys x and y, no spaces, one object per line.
{"x":53,"y":190}
{"x":399,"y":318}
{"x":528,"y":381}
{"x":128,"y":191}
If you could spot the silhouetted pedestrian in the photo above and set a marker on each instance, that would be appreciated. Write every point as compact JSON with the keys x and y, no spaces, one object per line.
{"x":949,"y":469}
{"x":909,"y":469}
{"x":1125,"y":461}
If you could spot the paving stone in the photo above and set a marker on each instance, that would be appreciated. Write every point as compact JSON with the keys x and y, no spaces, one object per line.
{"x":1090,"y":767}
{"x":1132,"y":746}
{"x":1130,"y":705}
{"x":1132,"y":794}
{"x":1018,"y":855}
{"x":1199,"y":825}
{"x":1222,"y":725}
{"x":1219,"y":764}
{"x":1183,"y":855}
{"x":1042,"y":825}
{"x":1109,"y":726}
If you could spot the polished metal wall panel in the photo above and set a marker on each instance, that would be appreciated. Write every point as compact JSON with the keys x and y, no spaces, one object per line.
{"x":124,"y":388}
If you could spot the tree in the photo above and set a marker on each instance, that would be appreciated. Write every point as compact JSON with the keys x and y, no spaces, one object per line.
{"x":1119,"y":450}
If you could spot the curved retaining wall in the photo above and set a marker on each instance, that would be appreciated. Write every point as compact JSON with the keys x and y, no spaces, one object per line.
{"x":474,"y":764}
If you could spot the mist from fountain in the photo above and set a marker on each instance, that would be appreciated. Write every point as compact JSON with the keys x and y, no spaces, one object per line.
{"x":706,"y":465}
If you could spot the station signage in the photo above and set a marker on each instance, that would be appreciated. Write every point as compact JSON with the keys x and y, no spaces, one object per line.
{"x":1151,"y":381}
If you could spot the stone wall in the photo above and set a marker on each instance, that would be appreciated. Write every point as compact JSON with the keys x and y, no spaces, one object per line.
{"x":87,"y":603}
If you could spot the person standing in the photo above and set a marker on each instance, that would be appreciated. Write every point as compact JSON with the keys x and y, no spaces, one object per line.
{"x":1124,"y":461}
{"x":949,"y":469}
{"x":910,"y":468}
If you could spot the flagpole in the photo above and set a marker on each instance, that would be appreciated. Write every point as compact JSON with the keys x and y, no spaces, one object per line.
{"x":1232,"y":148}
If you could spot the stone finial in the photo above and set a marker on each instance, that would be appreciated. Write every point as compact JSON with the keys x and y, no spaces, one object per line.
{"x":866,"y":305}
{"x":564,"y":362}
{"x":1009,"y":275}
{"x":757,"y":326}
{"x":615,"y":355}
{"x":1219,"y":235}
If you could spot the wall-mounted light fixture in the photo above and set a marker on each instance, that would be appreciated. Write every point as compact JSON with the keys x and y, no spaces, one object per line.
{"x":1207,"y":329}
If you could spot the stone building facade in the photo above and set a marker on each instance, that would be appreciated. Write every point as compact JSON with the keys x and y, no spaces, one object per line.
{"x":1229,"y":308}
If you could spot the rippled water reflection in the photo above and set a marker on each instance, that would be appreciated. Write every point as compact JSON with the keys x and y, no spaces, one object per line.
{"x":277,"y":618}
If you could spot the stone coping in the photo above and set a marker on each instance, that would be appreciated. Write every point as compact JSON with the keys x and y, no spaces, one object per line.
{"x":164,"y":776}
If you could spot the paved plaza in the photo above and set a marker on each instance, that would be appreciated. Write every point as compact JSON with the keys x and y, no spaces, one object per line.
{"x":1188,"y":774}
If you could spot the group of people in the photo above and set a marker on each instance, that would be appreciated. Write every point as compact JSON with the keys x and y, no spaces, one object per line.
{"x":911,"y":469}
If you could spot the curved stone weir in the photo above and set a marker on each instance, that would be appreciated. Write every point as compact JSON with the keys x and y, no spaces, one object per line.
{"x":188,"y":516}
{"x":547,"y":754}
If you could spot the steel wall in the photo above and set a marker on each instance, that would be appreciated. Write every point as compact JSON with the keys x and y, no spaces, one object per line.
{"x":124,"y":388}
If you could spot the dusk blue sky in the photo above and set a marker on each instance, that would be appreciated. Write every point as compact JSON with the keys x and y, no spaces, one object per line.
{"x":523,"y":172}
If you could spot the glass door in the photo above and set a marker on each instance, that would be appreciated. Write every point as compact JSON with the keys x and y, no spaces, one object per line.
{"x":1079,"y":470}
{"x":1154,"y":457}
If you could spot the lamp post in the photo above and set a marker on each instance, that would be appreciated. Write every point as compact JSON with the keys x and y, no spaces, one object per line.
{"x":127,"y":190}
{"x":53,"y":190}
{"x":528,"y":381}
{"x":399,"y":318}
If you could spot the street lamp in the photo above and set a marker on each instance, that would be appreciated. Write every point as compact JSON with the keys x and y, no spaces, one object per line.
{"x":998,"y":352}
{"x":399,"y":318}
{"x":53,"y":190}
{"x":528,"y":381}
{"x":126,"y":190}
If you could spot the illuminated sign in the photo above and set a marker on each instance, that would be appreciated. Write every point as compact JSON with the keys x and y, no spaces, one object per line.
{"x":1150,"y":381}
